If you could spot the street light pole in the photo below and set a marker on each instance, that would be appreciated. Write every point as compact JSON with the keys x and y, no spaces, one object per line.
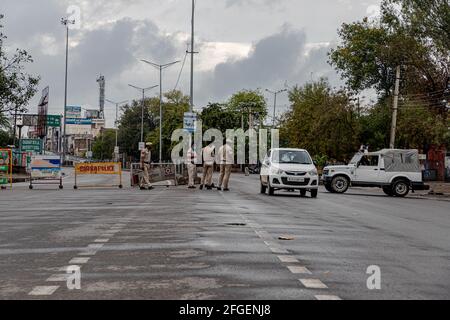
{"x":192,"y":57}
{"x":275,"y":93}
{"x":66,"y":22}
{"x":143,"y":106}
{"x":117,"y":104}
{"x":160,"y":67}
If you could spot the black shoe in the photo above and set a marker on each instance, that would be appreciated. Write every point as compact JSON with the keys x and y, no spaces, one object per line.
{"x":209,"y":188}
{"x":226,"y":190}
{"x":219,"y":189}
{"x":192,"y":187}
{"x":201,"y":187}
{"x":151,"y":188}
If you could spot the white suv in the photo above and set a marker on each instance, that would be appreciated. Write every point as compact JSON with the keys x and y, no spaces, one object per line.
{"x":397,"y":172}
{"x":289,"y":169}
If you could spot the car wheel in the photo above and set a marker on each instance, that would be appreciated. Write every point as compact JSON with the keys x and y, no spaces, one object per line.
{"x":303,"y":193}
{"x":340,"y":184}
{"x":329,"y":188}
{"x":401,"y":188}
{"x":314,"y":193}
{"x":388,"y":191}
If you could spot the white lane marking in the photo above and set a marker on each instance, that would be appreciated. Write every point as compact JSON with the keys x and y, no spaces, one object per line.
{"x":101,"y":240}
{"x":313,"y":284}
{"x":88,"y":253}
{"x":43,"y":291}
{"x":278,"y":250}
{"x":299,"y":270}
{"x":328,"y":298}
{"x":288,"y":259}
{"x":79,"y":261}
{"x":58,"y":278}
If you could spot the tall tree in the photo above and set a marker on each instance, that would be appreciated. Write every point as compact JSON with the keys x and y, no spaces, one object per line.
{"x":16,"y":86}
{"x":249,"y":102}
{"x":322,"y":121}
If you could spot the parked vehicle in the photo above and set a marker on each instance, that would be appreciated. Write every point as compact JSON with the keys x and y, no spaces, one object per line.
{"x":397,"y":172}
{"x":289,"y":169}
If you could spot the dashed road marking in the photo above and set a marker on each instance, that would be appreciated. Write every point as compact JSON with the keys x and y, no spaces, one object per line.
{"x":278,"y":250}
{"x":288,"y":259}
{"x":76,"y":261}
{"x":299,"y":270}
{"x":43,"y":291}
{"x":313,"y":284}
{"x":101,"y":240}
{"x":328,"y":298}
{"x":95,"y":246}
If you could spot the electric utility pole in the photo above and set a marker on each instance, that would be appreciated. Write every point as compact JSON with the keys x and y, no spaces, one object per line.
{"x":395,"y":108}
{"x":275,"y":93}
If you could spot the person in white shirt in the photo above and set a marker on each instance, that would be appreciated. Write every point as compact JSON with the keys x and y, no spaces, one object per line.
{"x":226,"y":161}
{"x":208,"y":167}
{"x":192,"y":166}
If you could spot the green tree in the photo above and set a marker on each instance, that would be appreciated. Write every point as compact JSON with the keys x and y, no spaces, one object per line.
{"x":247,"y":102}
{"x":321,"y":120}
{"x":130,"y":125}
{"x":410,"y":33}
{"x":103,"y":147}
{"x":221,"y":117}
{"x":174,"y":107}
{"x":16,"y":86}
{"x":5,"y":139}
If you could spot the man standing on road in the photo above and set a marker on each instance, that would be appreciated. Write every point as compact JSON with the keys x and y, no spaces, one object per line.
{"x":225,"y":160}
{"x":146,"y":159}
{"x":192,"y":166}
{"x":208,"y":167}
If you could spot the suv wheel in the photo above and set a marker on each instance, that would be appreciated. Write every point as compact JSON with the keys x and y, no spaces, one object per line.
{"x":328,"y":187}
{"x":388,"y":191}
{"x":401,"y":188}
{"x":303,"y":193}
{"x":340,"y":184}
{"x":314,"y":193}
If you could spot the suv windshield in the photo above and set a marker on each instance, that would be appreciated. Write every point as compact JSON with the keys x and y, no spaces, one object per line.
{"x":291,"y":157}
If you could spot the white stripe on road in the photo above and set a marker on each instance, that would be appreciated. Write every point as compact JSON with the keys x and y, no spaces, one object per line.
{"x":101,"y":240}
{"x":299,"y":270}
{"x":328,"y":298}
{"x":313,"y":284}
{"x":43,"y":291}
{"x":95,"y":246}
{"x":288,"y":259}
{"x":79,"y":261}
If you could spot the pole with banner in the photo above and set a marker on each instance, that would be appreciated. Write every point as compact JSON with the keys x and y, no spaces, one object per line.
{"x":6,"y":167}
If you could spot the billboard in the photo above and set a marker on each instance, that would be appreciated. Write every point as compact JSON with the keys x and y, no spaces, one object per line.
{"x":31,"y":145}
{"x":47,"y":167}
{"x":73,"y":112}
{"x":79,"y":121}
{"x":32,"y":120}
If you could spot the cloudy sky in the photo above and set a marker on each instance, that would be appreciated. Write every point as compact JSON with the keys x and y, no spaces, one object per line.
{"x":243,"y":44}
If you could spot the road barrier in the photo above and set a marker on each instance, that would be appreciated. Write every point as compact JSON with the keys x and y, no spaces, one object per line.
{"x":6,"y":168}
{"x":46,"y":170}
{"x":158,"y":173}
{"x":108,"y":168}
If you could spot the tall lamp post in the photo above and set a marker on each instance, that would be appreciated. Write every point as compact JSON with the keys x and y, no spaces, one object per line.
{"x":66,"y":23}
{"x":117,"y":104}
{"x":275,"y":93}
{"x":143,"y":90}
{"x":161,"y":67}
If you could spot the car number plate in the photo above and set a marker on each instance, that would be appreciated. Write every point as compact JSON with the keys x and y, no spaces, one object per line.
{"x":296,"y":179}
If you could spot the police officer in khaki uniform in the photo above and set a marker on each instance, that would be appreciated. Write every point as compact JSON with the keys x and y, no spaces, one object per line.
{"x":191,"y":162}
{"x":208,"y":167}
{"x":146,"y":159}
{"x":225,"y":158}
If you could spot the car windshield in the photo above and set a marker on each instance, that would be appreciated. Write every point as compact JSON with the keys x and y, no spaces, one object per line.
{"x":357,"y":158}
{"x":291,"y":157}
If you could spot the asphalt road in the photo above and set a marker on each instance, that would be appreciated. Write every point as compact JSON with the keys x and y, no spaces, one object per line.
{"x":174,"y":243}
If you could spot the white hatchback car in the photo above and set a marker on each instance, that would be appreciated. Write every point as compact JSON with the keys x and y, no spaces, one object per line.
{"x":289,"y":169}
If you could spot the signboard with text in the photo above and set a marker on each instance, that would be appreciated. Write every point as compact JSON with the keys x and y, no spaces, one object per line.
{"x":97,"y":168}
{"x":31,"y":145}
{"x":190,"y":122}
{"x":73,"y":112}
{"x":46,"y":167}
